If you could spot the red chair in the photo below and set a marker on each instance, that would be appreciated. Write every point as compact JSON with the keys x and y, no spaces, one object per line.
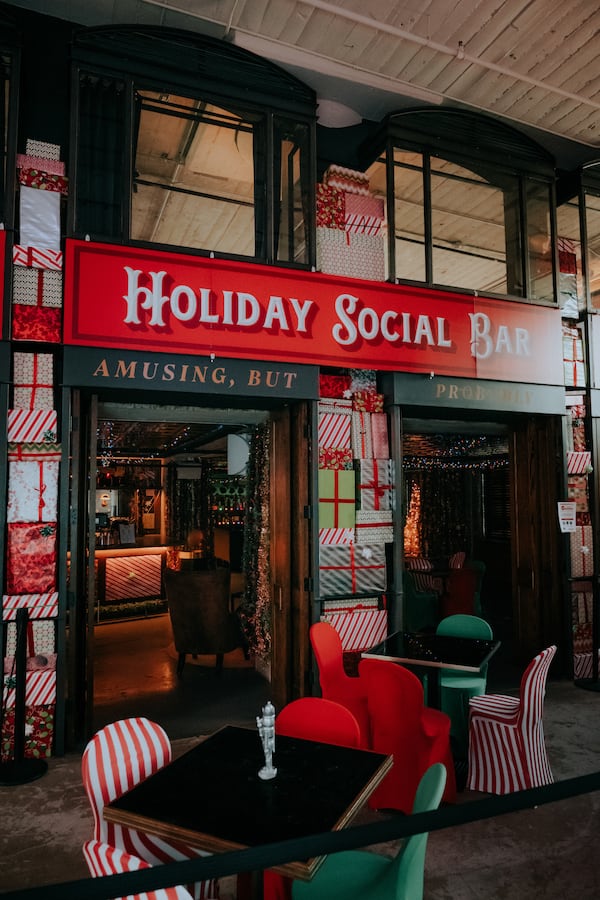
{"x":335,"y":683}
{"x":317,"y":719}
{"x":401,"y":725}
{"x":507,"y":750}
{"x":118,"y":757}
{"x":102,"y":859}
{"x":314,"y":719}
{"x":459,"y":596}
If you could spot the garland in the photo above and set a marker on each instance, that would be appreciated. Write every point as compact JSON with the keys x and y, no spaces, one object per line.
{"x":255,"y":609}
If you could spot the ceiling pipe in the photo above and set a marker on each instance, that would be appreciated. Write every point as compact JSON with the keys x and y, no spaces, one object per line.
{"x":401,"y":34}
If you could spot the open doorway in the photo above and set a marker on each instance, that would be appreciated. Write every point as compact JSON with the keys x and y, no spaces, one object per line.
{"x":171,"y":492}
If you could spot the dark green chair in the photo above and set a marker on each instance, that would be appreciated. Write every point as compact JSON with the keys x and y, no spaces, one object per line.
{"x":479,"y":568}
{"x":420,"y":607}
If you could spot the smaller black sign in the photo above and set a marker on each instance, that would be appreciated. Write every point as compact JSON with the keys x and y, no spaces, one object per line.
{"x":98,"y":368}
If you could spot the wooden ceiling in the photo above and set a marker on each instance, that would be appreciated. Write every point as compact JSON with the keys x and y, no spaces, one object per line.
{"x":532,"y":62}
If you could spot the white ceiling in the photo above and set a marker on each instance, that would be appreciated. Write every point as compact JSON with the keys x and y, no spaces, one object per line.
{"x":533,"y":62}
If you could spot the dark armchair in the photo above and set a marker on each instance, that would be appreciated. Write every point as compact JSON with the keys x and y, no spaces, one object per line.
{"x":199,"y":607}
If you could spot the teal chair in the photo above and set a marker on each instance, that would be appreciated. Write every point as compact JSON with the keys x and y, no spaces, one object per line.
{"x":420,"y":607}
{"x":456,"y":688}
{"x":361,"y":874}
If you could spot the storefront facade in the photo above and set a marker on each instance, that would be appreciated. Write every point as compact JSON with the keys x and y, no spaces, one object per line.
{"x":146,"y":284}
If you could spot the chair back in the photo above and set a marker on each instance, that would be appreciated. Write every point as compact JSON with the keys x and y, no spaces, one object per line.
{"x":531,"y":708}
{"x":329,"y":655}
{"x":104,"y":859}
{"x":404,"y":877}
{"x":117,"y":758}
{"x":468,"y":626}
{"x":420,"y":607}
{"x":318,"y":719}
{"x":459,"y":596}
{"x":419,"y":565}
{"x":457,"y":560}
{"x":199,"y":608}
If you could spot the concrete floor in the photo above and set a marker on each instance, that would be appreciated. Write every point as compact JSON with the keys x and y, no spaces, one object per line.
{"x":549,"y":852}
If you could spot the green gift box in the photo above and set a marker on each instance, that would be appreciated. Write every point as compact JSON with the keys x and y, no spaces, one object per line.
{"x":336,"y":498}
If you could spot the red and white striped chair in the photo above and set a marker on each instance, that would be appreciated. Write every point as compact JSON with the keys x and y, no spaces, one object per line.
{"x":117,"y":758}
{"x":457,"y":560}
{"x":507,"y":751}
{"x":102,"y":859}
{"x":418,"y":566}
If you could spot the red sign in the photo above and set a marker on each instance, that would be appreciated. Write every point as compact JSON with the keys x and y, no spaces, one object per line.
{"x":150,"y":300}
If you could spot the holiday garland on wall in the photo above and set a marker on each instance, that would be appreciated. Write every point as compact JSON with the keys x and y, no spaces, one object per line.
{"x":255,"y":610}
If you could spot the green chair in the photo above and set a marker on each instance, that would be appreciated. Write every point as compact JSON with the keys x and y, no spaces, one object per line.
{"x":420,"y":607}
{"x":361,"y":874}
{"x":456,"y":688}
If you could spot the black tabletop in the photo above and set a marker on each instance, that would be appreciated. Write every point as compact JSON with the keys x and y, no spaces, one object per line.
{"x":213,"y":798}
{"x":435,"y":650}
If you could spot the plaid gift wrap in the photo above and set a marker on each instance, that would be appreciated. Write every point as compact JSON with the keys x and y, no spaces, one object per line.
{"x":331,"y":207}
{"x":41,"y":641}
{"x":363,"y":214}
{"x":336,"y":498}
{"x":352,"y":568}
{"x":374,"y":483}
{"x":32,"y":323}
{"x":359,"y":629}
{"x":40,"y":688}
{"x":577,"y":490}
{"x":334,"y":386}
{"x":39,"y":257}
{"x":32,"y":490}
{"x":52,"y":166}
{"x":579,"y":462}
{"x":348,"y":180}
{"x":334,"y":430}
{"x":374,"y":526}
{"x":39,"y":732}
{"x":582,"y":551}
{"x":335,"y":458}
{"x":351,"y":255}
{"x":25,"y":426}
{"x":39,"y":606}
{"x":31,"y":558}
{"x":39,"y":218}
{"x":33,"y":380}
{"x":42,"y":148}
{"x":367,"y":401}
{"x":336,"y":535}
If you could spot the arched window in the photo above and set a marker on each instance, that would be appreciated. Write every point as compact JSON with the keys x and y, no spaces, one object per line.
{"x":470,"y":203}
{"x":191,"y":143}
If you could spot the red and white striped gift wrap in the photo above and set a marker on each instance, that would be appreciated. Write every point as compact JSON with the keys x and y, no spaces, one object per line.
{"x":138,"y":576}
{"x":40,"y":689}
{"x":336,"y":536}
{"x":334,"y":430}
{"x":351,"y":569}
{"x":38,"y":257}
{"x":363,"y":214}
{"x":39,"y":606}
{"x":579,"y":462}
{"x":359,"y":629}
{"x":31,"y":426}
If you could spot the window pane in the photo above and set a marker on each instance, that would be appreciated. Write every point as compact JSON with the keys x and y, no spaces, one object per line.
{"x":539,"y":242}
{"x":291,"y":199}
{"x":570,"y":277}
{"x":409,"y":216}
{"x":468,"y":230}
{"x":592,"y":217}
{"x":194,"y":176}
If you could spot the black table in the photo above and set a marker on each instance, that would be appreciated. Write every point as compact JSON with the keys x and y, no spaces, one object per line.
{"x":435,"y":652}
{"x":212,"y":798}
